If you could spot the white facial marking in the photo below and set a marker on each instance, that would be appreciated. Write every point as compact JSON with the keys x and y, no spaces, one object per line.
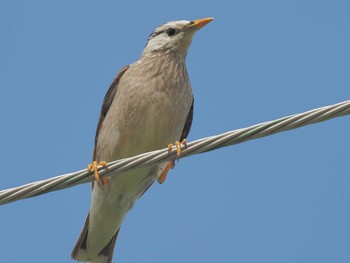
{"x":161,"y":38}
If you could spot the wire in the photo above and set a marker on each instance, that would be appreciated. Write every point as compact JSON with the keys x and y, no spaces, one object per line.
{"x":199,"y":146}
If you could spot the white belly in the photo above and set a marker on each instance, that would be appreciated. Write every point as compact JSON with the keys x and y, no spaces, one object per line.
{"x":111,"y":202}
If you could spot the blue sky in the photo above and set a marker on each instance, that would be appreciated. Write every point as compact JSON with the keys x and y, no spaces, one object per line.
{"x":283,"y":198}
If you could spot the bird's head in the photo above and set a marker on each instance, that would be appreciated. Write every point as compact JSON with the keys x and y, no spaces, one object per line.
{"x":174,"y":36}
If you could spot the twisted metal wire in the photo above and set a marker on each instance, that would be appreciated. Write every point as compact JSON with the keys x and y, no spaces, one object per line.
{"x":195,"y":147}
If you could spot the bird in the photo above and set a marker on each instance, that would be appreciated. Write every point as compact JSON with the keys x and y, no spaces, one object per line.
{"x":148,"y":106}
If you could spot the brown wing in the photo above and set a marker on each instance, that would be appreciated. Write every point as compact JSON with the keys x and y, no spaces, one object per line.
{"x":188,"y":123}
{"x":107,"y":102}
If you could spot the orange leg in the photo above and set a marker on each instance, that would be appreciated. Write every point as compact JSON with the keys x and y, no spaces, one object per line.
{"x":178,"y":147}
{"x":161,"y":179}
{"x":170,"y":164}
{"x":94,"y":167}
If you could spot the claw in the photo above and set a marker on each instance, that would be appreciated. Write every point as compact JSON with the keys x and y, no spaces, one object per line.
{"x":178,"y":147}
{"x":170,"y":146}
{"x":94,"y":167}
{"x":161,"y":179}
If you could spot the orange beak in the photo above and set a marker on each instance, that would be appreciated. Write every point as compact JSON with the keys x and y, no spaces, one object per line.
{"x":198,"y":24}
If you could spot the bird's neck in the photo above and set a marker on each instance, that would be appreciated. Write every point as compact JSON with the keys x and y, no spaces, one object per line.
{"x":168,"y":64}
{"x":164,"y":55}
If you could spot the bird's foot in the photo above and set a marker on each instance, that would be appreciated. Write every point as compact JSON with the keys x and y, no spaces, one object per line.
{"x":161,"y":179}
{"x":178,"y":147}
{"x":94,"y":167}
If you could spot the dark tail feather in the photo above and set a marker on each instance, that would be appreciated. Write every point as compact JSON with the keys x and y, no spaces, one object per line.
{"x":107,"y":251}
{"x":81,"y":242}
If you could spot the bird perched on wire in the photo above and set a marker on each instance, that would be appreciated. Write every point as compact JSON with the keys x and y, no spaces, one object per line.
{"x":148,"y":105}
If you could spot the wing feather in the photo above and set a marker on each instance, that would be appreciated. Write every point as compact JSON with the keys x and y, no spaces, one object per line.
{"x":188,"y":123}
{"x":107,"y":102}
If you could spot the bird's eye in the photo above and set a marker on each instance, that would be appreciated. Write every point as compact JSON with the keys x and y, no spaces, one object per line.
{"x":171,"y":31}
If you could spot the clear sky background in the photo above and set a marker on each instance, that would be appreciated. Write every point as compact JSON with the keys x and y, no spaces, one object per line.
{"x":284,"y":198}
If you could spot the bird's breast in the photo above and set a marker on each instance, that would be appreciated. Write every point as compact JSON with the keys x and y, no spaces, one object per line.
{"x":148,"y":112}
